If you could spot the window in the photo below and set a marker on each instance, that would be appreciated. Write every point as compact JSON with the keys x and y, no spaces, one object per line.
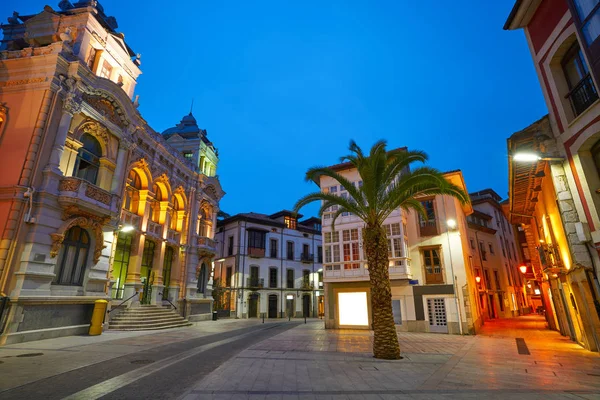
{"x":290,"y":222}
{"x":230,"y":246}
{"x":508,"y":249}
{"x":201,"y":285}
{"x":394,"y":241}
{"x":290,"y":279}
{"x":92,"y":58}
{"x":502,"y":246}
{"x":514,"y":250}
{"x":228,"y":276}
{"x":491,"y":248}
{"x":333,"y":189}
{"x":188,"y":155}
{"x":582,"y":92}
{"x":589,"y":15}
{"x":497,"y":280}
{"x":256,"y":239}
{"x":482,"y":250}
{"x":290,"y":250}
{"x":273,"y":248}
{"x":272,"y":277}
{"x":253,"y":277}
{"x":105,"y":70}
{"x":73,"y":257}
{"x":167,"y":264}
{"x":472,"y":244}
{"x":351,"y":248}
{"x":305,"y":252}
{"x":433,"y":265}
{"x":320,"y":254}
{"x":508,"y":273}
{"x":488,"y":283}
{"x":88,"y":159}
{"x":120,"y":264}
{"x":427,"y":223}
{"x":306,"y":277}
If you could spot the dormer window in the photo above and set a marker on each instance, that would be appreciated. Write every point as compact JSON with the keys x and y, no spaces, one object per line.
{"x":188,"y":155}
{"x":105,"y":70}
{"x":290,"y":222}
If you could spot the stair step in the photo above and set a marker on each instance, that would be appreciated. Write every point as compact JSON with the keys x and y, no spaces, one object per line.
{"x":149,"y":314}
{"x":144,"y":321}
{"x":151,"y":328}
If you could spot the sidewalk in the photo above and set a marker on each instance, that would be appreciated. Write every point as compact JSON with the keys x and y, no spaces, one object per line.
{"x":27,"y":362}
{"x":309,"y":362}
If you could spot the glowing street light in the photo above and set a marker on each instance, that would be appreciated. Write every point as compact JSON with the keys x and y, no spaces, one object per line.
{"x":526,"y":156}
{"x":477,"y":279}
{"x":127,"y":228}
{"x":523,"y":269}
{"x":451,"y":223}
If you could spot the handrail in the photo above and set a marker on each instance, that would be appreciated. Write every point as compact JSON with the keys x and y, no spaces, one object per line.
{"x":167,"y":299}
{"x":123,"y":302}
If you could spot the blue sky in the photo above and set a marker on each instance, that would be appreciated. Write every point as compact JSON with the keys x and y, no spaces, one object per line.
{"x":282,"y":86}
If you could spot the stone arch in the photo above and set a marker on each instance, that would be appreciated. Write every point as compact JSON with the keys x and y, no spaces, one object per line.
{"x":162,"y":182}
{"x":98,"y":131}
{"x":180,"y":196}
{"x":88,"y":223}
{"x":142,"y":168}
{"x":212,"y":192}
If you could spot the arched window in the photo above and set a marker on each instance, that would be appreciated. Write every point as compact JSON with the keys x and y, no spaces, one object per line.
{"x":134,"y":184}
{"x":73,"y":258}
{"x":88,"y":159}
{"x":202,"y":279}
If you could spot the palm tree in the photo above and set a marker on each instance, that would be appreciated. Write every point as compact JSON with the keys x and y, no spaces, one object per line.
{"x":388,"y":184}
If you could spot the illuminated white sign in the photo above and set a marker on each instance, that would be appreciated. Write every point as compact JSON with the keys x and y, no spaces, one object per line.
{"x":290,"y":297}
{"x":353,"y":308}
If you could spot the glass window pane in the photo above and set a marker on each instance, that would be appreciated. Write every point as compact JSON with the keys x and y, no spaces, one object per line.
{"x":591,"y":30}
{"x":80,"y":267}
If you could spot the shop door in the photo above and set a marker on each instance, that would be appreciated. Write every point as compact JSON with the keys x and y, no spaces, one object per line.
{"x":306,"y":306}
{"x":253,"y":306}
{"x":437,"y":315}
{"x":272,"y":306}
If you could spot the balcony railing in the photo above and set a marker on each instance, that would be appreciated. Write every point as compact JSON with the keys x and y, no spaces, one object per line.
{"x":207,"y":244}
{"x":307,"y":258}
{"x":129,"y":218}
{"x":154,"y":229}
{"x":582,"y":95}
{"x":550,"y":256}
{"x":428,"y":228}
{"x":255,"y":282}
{"x":173,"y":236}
{"x":256,"y":252}
{"x":78,"y":191}
{"x":399,"y":269}
{"x":305,"y":285}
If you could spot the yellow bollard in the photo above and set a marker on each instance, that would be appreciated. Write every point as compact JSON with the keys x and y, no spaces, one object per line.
{"x":98,"y":317}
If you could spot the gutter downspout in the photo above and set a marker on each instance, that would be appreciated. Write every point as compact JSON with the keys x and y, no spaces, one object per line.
{"x":237,"y":260}
{"x":243,"y":267}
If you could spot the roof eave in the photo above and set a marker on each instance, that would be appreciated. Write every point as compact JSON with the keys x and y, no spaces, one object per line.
{"x":521,"y":14}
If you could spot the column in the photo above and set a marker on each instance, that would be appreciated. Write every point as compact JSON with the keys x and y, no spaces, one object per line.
{"x":70,"y":108}
{"x":117,"y":178}
{"x":133,"y":283}
{"x":157,"y":271}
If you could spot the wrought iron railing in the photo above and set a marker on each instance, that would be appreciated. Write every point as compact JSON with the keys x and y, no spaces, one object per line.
{"x":550,"y":256}
{"x":582,"y":95}
{"x":255,"y":282}
{"x":306,"y":257}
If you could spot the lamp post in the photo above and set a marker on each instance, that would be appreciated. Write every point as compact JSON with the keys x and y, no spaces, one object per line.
{"x":451,"y":225}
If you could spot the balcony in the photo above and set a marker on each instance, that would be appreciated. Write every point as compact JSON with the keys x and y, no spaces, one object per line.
{"x":256,"y":252}
{"x":129,"y":218}
{"x":399,"y":269}
{"x":582,"y":95}
{"x":207,"y":244}
{"x":305,"y":285}
{"x":307,"y":258}
{"x":428,"y":228}
{"x":84,"y":195}
{"x":173,"y":236}
{"x":154,"y":229}
{"x":550,"y":257}
{"x":255,"y":283}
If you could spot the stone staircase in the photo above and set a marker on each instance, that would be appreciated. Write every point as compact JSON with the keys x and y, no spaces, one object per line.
{"x":146,"y":318}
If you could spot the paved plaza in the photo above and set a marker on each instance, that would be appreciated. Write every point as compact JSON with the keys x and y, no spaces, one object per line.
{"x":244,"y":359}
{"x":309,"y":362}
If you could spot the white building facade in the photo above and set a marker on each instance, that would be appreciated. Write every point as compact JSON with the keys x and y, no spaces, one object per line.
{"x":268,"y":266}
{"x":429,"y":268}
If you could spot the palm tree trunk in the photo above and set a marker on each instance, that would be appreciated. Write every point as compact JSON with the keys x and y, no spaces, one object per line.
{"x":385,"y":344}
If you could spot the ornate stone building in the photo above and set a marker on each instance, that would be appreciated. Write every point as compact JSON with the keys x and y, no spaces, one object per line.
{"x":94,"y":204}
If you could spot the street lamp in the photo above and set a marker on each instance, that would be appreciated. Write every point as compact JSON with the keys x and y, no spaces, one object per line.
{"x":523,"y":269}
{"x":525,"y":156}
{"x":127,"y":228}
{"x":477,"y":279}
{"x":451,"y":223}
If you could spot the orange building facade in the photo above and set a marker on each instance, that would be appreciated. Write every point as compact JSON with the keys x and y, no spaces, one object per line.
{"x":94,"y":204}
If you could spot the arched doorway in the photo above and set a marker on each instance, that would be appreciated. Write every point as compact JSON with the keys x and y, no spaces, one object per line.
{"x":306,"y":305}
{"x":146,"y":274}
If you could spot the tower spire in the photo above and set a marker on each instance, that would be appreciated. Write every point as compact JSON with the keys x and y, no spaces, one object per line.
{"x":192,"y":106}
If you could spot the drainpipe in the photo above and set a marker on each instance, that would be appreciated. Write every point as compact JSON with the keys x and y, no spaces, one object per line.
{"x":454,"y":284}
{"x":243,"y":266}
{"x":281,"y":267}
{"x":237,"y":260}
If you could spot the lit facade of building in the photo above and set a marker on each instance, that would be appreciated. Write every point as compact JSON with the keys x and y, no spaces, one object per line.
{"x":269,"y":266}
{"x":495,"y":255}
{"x":94,"y":204}
{"x":432,"y":280}
{"x":554,"y":196}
